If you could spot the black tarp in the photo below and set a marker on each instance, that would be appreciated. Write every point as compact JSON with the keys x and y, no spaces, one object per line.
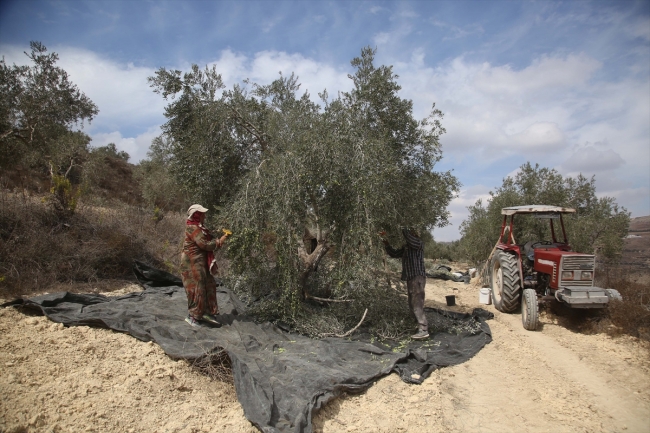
{"x":280,"y":377}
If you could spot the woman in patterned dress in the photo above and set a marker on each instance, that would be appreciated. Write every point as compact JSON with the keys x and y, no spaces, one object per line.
{"x":197,"y":267}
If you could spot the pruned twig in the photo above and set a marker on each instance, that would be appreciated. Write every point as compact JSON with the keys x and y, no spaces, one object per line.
{"x":350,"y":331}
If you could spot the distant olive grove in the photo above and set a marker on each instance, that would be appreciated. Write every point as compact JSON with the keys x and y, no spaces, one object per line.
{"x":597,"y":227}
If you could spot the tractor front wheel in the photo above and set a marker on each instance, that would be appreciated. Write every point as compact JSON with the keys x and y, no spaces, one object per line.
{"x":613,"y":295}
{"x":529,"y":312}
{"x":505,"y":282}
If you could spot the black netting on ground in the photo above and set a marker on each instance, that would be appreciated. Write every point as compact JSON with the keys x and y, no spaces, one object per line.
{"x":280,"y":378}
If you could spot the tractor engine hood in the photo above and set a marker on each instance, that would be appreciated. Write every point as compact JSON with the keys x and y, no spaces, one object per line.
{"x":566,"y":268}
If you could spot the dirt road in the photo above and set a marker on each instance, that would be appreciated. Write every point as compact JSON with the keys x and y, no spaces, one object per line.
{"x":552,"y":380}
{"x":56,"y":379}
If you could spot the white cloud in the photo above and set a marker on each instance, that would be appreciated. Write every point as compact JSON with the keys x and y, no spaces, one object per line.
{"x":513,"y":173}
{"x":639,"y":29}
{"x":136,"y":147}
{"x":458,"y":210}
{"x":390,"y":40}
{"x":540,"y":136}
{"x":591,"y":160}
{"x":313,"y":76}
{"x":455,"y":32}
{"x":382,"y":38}
{"x":231,"y":66}
{"x":130,"y":113}
{"x":120,"y":91}
{"x":549,"y":112}
{"x":546,"y":76}
{"x":636,"y":200}
{"x":407,"y":14}
{"x":553,"y":104}
{"x":271,"y":23}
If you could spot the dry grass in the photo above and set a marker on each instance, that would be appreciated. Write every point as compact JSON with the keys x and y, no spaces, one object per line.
{"x":39,"y":250}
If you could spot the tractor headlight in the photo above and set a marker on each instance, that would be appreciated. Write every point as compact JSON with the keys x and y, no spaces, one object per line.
{"x":586,"y":275}
{"x":567,"y":275}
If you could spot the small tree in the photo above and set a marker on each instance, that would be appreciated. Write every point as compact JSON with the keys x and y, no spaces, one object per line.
{"x":597,"y":227}
{"x":160,"y":189}
{"x":69,"y":153}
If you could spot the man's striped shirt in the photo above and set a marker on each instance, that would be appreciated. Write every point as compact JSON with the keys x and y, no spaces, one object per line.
{"x":412,"y":254}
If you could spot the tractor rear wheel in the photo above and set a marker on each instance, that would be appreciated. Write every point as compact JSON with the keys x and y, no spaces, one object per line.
{"x":529,"y":312}
{"x":505,"y":282}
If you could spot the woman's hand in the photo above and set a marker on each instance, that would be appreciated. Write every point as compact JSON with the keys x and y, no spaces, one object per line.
{"x":223,"y":238}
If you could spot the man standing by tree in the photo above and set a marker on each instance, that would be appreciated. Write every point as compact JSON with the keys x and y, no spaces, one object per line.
{"x":412,"y":254}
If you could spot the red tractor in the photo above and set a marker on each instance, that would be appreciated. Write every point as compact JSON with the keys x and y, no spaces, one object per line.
{"x":539,"y":271}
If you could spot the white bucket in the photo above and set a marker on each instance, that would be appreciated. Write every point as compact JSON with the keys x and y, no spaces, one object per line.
{"x":484,"y":296}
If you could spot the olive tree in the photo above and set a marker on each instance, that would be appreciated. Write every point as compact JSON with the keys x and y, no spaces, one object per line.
{"x":41,"y":112}
{"x":598,"y":226}
{"x":311,"y":184}
{"x":210,"y":142}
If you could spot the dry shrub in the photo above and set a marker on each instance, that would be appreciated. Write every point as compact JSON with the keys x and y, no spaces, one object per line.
{"x":40,"y":250}
{"x":632,"y":315}
{"x":216,"y":365}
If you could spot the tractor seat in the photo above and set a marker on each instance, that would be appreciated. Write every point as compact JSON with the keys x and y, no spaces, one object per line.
{"x":528,"y":250}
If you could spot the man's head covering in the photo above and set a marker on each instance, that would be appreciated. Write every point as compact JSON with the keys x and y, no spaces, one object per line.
{"x":195,"y":208}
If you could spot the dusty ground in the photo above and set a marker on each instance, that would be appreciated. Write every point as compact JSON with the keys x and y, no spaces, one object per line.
{"x":83,"y":379}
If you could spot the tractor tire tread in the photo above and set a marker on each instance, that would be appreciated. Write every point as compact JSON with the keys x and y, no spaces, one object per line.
{"x":529,"y":310}
{"x":511,"y":291}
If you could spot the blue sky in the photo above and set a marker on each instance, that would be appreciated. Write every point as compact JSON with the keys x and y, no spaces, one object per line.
{"x":562,"y":84}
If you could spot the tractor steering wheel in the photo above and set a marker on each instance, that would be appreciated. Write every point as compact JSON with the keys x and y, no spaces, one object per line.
{"x":540,"y":243}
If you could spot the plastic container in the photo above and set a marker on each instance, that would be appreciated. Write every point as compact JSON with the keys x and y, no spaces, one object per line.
{"x":451,"y":300}
{"x":484,"y":296}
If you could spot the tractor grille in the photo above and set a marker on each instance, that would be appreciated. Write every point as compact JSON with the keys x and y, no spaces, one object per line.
{"x":578,"y":263}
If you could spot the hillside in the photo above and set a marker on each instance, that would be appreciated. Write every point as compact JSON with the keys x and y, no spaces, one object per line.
{"x":636,"y":250}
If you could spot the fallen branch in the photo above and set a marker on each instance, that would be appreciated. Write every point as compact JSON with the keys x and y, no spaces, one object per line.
{"x":315,"y":298}
{"x":350,"y":331}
